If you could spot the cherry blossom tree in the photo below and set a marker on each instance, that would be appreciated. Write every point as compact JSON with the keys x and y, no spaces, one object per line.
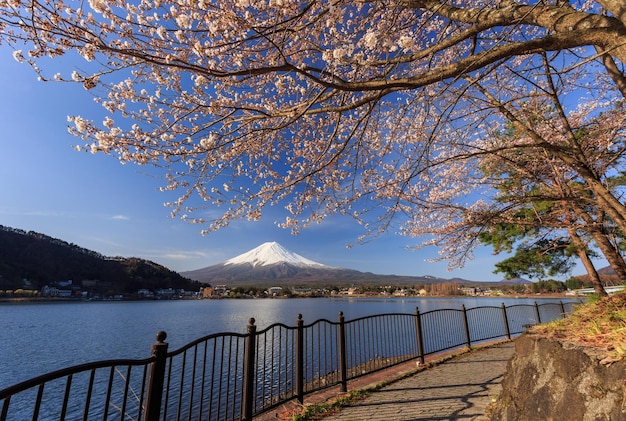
{"x":376,"y":109}
{"x":541,"y":197}
{"x":549,"y":154}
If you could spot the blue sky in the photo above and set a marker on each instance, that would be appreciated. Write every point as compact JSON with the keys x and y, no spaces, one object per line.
{"x":117,"y":210}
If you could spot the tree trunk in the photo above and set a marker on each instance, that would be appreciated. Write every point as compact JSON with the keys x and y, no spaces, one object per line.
{"x":607,"y":201}
{"x":609,"y":251}
{"x":614,"y":258}
{"x":587,"y":263}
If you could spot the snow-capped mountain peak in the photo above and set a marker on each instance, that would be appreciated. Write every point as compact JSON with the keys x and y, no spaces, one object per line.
{"x":271,"y":253}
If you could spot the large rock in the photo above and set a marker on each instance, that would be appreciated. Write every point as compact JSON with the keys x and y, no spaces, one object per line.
{"x":549,"y":380}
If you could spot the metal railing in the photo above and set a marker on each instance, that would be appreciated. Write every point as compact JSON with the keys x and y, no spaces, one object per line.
{"x":232,"y":376}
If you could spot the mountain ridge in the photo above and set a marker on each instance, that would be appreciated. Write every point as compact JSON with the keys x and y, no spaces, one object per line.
{"x":270,"y":263}
{"x":42,"y":260}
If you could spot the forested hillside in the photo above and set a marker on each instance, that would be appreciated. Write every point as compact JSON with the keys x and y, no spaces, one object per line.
{"x":44,"y":260}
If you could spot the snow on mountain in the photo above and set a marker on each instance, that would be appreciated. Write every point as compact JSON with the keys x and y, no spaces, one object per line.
{"x":271,"y":253}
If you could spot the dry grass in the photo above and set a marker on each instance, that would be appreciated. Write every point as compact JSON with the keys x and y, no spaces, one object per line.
{"x":598,"y":324}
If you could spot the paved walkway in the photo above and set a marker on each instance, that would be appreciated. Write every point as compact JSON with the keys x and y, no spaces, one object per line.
{"x":459,"y":389}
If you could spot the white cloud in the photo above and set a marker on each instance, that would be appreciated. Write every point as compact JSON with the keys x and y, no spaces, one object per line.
{"x":183,"y":260}
{"x":120,"y":217}
{"x":186,"y":255}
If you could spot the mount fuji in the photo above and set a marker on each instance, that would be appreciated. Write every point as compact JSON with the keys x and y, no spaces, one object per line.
{"x":271,"y":262}
{"x":267,"y":262}
{"x":272,"y":253}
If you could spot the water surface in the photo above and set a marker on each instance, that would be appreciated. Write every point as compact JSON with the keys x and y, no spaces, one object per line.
{"x":36,"y":338}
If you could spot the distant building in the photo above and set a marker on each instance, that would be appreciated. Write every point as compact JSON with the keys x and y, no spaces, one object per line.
{"x":220,"y":291}
{"x":48,"y":291}
{"x":166,"y":293}
{"x":275,"y":291}
{"x":469,"y":291}
{"x":207,"y":292}
{"x":188,"y":294}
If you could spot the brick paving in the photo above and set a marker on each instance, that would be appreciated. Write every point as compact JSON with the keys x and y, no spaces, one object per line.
{"x":459,"y":389}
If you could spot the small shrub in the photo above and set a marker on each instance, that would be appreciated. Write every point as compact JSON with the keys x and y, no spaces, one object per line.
{"x":599,"y":323}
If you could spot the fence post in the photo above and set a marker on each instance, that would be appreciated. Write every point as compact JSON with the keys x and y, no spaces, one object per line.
{"x":154,"y":394}
{"x":248,"y":372}
{"x":468,"y":341}
{"x":562,"y":309}
{"x":300,"y":359}
{"x":537,"y":312}
{"x":419,"y":335}
{"x":506,"y":322}
{"x":343,"y":363}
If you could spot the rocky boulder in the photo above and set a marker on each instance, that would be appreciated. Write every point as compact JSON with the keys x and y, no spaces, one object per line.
{"x":550,"y":380}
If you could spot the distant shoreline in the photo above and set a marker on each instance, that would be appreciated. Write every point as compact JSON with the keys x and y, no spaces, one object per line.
{"x":18,"y":300}
{"x":39,"y":300}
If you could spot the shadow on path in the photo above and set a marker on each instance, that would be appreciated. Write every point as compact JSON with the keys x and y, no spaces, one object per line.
{"x":459,"y":389}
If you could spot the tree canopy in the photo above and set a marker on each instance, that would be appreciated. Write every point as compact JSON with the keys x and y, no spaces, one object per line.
{"x":382,"y":110}
{"x":542,"y":206}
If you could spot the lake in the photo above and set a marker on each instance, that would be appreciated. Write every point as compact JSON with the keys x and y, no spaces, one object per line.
{"x":36,"y":338}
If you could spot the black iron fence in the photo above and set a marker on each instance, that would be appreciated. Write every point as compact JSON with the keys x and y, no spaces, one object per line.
{"x":232,"y":376}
